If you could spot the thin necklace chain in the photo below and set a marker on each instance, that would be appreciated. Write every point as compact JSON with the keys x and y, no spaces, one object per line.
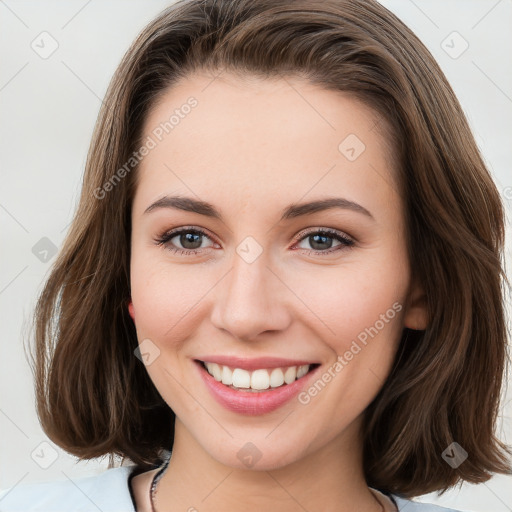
{"x":156,"y":478}
{"x":159,"y":474}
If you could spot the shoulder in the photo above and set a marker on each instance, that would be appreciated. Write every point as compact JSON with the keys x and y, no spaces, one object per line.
{"x":108,"y":492}
{"x":414,"y":506}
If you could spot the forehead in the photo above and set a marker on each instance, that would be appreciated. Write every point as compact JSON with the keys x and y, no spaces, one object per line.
{"x":282,"y":135}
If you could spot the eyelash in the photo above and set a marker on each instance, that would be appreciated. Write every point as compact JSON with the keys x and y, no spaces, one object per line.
{"x":346,"y":243}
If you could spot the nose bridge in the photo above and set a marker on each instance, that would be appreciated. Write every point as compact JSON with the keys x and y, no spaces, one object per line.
{"x":250,"y":302}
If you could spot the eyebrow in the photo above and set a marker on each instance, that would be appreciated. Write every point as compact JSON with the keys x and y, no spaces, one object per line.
{"x":293,"y":210}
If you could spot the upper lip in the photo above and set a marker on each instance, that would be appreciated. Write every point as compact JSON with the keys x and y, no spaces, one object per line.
{"x":254,"y":363}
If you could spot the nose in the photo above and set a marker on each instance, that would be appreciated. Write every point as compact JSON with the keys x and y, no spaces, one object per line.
{"x":251,"y":300}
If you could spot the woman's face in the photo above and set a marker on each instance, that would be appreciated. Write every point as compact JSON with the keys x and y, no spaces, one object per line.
{"x":253,"y":271}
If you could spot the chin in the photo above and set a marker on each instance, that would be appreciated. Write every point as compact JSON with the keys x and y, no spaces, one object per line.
{"x":257,"y":453}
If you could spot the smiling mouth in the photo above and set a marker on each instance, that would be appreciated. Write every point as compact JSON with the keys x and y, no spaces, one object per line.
{"x":259,"y":380}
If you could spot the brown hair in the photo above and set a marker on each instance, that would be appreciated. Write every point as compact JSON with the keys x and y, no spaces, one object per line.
{"x":95,"y":398}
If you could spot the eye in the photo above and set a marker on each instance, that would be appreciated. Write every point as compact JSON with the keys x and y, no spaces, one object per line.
{"x":321,"y":241}
{"x":190,"y":239}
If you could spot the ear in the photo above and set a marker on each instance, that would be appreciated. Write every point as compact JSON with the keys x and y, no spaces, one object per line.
{"x":131,"y":310}
{"x":416,"y":314}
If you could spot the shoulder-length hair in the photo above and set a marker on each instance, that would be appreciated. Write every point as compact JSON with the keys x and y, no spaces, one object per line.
{"x":94,"y":397}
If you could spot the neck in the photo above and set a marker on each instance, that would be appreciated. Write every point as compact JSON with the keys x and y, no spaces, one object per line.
{"x":331,"y":478}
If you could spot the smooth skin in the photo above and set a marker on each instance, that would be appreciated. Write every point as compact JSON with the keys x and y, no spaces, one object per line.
{"x":251,"y":147}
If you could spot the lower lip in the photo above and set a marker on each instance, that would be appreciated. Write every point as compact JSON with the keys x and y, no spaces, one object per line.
{"x":253,"y":403}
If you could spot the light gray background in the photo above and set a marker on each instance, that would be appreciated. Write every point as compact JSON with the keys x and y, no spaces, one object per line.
{"x":48,"y":108}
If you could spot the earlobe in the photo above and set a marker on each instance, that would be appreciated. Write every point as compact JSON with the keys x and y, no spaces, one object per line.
{"x":131,"y":310}
{"x":416,"y":314}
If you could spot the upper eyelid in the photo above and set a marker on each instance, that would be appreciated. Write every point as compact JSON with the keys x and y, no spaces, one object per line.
{"x":308,"y":231}
{"x":171,"y":233}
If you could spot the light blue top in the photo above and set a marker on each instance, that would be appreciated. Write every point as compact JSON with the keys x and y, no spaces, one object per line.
{"x":109,"y":492}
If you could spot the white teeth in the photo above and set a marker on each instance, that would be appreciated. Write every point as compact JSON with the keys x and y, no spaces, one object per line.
{"x":227,"y":376}
{"x":290,"y":374}
{"x":257,"y":380}
{"x":215,"y":370}
{"x":260,"y":379}
{"x":241,"y":378}
{"x":276,"y":378}
{"x":302,"y":370}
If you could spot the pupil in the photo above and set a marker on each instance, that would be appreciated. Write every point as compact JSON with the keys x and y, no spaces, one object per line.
{"x":192,"y":238}
{"x":319,"y":242}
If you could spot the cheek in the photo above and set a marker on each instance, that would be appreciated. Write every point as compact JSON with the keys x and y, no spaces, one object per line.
{"x":367,"y":325}
{"x":361,"y":312}
{"x":167,"y":304}
{"x":367,"y":315}
{"x":352,"y":300}
{"x":165,"y":298}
